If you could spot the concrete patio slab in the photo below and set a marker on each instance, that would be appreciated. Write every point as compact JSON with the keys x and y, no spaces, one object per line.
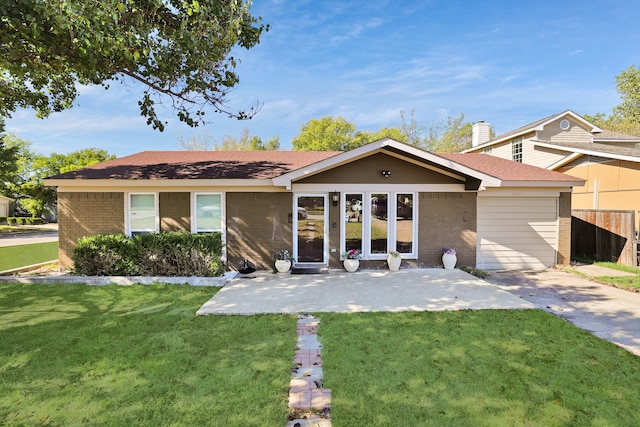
{"x":432,"y":289}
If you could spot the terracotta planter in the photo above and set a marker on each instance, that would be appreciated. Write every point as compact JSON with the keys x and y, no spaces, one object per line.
{"x":449,"y":261}
{"x":283,"y":265}
{"x":351,"y":265}
{"x":394,"y":262}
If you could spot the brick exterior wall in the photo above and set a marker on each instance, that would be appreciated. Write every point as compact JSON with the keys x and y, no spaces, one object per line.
{"x":175,"y":212}
{"x":258,"y":224}
{"x":447,"y":220}
{"x":564,"y":230}
{"x":85,"y":214}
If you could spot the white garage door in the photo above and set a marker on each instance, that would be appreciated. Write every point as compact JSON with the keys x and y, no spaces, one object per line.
{"x":517,"y":233}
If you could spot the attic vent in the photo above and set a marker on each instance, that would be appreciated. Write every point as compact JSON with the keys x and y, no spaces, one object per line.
{"x":564,"y":124}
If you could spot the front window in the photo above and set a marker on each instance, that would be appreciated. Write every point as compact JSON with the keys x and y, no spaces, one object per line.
{"x":208,"y":213}
{"x":143,"y":213}
{"x":376,"y":223}
{"x":516,"y":150}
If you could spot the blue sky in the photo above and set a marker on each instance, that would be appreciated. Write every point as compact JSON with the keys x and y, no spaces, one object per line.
{"x":505,"y":62}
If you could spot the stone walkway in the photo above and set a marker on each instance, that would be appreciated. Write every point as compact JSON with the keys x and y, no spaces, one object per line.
{"x":309,"y":401}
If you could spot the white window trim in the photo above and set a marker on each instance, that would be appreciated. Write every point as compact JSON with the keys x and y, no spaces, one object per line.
{"x":223,"y":210}
{"x":515,"y":143}
{"x":294,"y":223}
{"x":128,"y":231}
{"x":391,"y":229}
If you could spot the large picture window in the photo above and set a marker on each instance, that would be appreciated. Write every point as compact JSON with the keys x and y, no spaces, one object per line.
{"x":208,"y":212}
{"x":143,"y":213}
{"x":376,"y":223}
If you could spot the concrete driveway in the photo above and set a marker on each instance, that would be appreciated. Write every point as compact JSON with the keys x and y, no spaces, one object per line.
{"x":428,"y":289}
{"x":607,"y":312}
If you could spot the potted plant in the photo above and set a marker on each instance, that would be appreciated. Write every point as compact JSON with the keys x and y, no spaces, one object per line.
{"x":351,"y":260}
{"x":283,"y":260}
{"x":394,"y":260}
{"x":449,"y":258}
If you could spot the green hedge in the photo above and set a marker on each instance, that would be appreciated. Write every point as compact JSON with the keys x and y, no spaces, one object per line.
{"x":21,"y":220}
{"x":164,"y":254}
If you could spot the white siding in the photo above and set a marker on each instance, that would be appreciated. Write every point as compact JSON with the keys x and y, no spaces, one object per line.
{"x":576,"y":133}
{"x":517,"y":233}
{"x":502,"y":150}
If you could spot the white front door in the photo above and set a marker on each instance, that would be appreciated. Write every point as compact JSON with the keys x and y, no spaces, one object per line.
{"x":310,"y":243}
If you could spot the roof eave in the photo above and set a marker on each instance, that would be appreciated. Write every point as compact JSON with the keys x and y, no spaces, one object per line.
{"x":588,"y":152}
{"x":157,"y":182}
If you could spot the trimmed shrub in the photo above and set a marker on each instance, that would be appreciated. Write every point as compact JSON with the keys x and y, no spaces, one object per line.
{"x":164,"y":254}
{"x":179,"y":254}
{"x":2,"y":219}
{"x":105,"y":255}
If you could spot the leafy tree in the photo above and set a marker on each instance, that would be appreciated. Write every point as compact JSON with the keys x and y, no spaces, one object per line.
{"x":8,"y":162}
{"x":176,"y":49}
{"x":411,"y":129}
{"x":246,"y":142}
{"x":625,"y":117}
{"x":27,"y":187}
{"x":363,"y":137}
{"x":325,"y":134}
{"x":450,"y":135}
{"x":628,"y":83}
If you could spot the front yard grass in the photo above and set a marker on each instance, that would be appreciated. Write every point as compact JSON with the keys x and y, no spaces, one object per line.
{"x":629,"y":283}
{"x":138,"y":355}
{"x":23,"y":255}
{"x":474,"y":368}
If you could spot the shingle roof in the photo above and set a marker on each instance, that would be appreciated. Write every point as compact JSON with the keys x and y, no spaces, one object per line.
{"x":614,"y":136}
{"x":507,"y":170}
{"x":603,"y":149}
{"x":157,"y":165}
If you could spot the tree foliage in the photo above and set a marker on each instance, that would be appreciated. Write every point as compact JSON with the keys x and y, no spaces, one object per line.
{"x":8,"y":162}
{"x":178,"y":49}
{"x":450,"y":135}
{"x":245,"y":142}
{"x":326,"y":134}
{"x":26,"y":184}
{"x":337,"y":134}
{"x":625,"y":117}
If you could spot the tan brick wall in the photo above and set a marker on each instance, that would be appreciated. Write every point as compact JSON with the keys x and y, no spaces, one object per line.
{"x":258,"y":224}
{"x":564,"y":229}
{"x":447,"y":220}
{"x":85,"y":214}
{"x":175,"y":212}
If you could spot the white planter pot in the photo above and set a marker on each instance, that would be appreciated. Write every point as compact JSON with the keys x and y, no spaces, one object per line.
{"x":394,"y":262}
{"x":283,"y":265}
{"x":449,"y":261}
{"x":351,"y":265}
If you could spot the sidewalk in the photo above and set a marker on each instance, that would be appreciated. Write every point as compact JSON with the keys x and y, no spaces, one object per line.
{"x":27,"y":236}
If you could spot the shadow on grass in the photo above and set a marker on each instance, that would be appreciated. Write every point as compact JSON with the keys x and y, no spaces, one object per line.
{"x":474,"y":368}
{"x":138,"y":355}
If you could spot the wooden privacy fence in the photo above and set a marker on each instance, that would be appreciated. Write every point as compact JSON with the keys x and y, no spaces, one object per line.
{"x":603,"y":235}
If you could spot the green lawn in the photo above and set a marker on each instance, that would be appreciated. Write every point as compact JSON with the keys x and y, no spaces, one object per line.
{"x":22,"y":255}
{"x":475,"y":368}
{"x":630,"y":283}
{"x":137,"y":355}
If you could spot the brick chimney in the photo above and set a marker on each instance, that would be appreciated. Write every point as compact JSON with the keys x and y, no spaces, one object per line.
{"x":481,"y":133}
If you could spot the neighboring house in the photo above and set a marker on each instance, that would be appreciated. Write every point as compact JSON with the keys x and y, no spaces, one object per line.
{"x":608,"y":161}
{"x":5,"y":205}
{"x":496,"y":213}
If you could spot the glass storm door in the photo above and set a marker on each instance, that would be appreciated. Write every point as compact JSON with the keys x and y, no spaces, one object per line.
{"x":310,"y":230}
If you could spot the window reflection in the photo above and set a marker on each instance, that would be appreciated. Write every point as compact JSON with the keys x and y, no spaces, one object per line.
{"x":404,"y":223}
{"x":353,"y":221}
